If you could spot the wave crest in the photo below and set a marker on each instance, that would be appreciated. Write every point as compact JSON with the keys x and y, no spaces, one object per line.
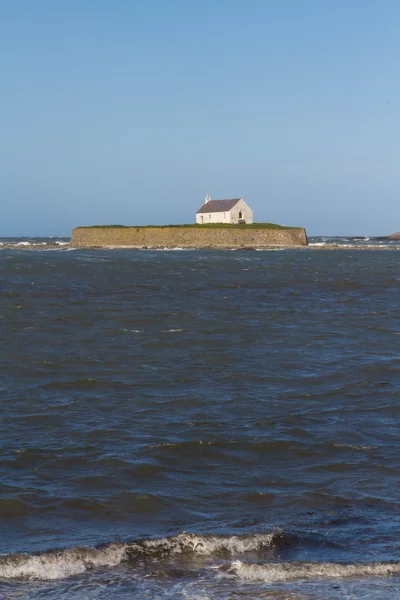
{"x":281,"y":572}
{"x":58,"y":564}
{"x":207,"y":544}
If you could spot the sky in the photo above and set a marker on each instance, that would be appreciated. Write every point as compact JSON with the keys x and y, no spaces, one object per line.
{"x":131,"y":111}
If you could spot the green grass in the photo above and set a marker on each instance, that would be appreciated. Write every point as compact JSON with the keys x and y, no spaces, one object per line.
{"x":195,"y":226}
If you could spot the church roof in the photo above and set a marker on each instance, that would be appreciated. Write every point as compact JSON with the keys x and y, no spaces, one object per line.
{"x":218,"y":206}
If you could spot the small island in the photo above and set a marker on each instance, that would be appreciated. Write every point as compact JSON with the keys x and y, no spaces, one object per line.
{"x":256,"y":235}
{"x":220,"y":224}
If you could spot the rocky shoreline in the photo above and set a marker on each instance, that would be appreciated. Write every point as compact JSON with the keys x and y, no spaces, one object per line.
{"x":189,"y":237}
{"x":312,"y":246}
{"x":351,"y":247}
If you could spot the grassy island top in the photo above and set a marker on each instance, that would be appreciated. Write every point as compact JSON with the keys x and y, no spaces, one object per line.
{"x":195,"y":226}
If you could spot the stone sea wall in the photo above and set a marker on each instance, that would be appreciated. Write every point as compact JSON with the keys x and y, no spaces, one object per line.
{"x":186,"y":237}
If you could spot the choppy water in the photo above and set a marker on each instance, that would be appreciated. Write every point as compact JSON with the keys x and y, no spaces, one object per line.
{"x":200,"y":424}
{"x":355,"y":242}
{"x":33,"y":243}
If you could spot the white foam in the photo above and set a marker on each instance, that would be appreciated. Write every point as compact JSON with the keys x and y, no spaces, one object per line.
{"x":172,"y":330}
{"x":279,"y":572}
{"x":270,"y":249}
{"x":177,"y":249}
{"x":206,"y":545}
{"x":61,"y":564}
{"x":355,"y":447}
{"x":333,"y":245}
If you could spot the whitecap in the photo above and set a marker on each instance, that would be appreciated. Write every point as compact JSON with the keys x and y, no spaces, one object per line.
{"x":281,"y":572}
{"x":59,"y":564}
{"x":355,"y":447}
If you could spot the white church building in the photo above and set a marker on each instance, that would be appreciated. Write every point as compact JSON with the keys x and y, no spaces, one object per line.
{"x":233,"y":211}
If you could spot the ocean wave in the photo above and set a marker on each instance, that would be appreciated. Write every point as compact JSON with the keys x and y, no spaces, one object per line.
{"x":277,"y":249}
{"x":55,"y":248}
{"x":59,"y":564}
{"x":355,"y":446}
{"x":353,"y":246}
{"x":282,"y":572}
{"x":174,"y":249}
{"x":37,"y":245}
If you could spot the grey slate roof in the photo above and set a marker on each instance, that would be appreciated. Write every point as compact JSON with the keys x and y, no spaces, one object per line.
{"x":218,"y":206}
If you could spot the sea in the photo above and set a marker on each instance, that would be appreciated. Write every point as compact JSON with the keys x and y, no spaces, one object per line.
{"x":200,"y":424}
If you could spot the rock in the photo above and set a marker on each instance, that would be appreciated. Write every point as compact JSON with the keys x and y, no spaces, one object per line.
{"x":190,"y":236}
{"x":394,"y":236}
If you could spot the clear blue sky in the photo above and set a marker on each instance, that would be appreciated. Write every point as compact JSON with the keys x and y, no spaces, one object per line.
{"x":130,"y":111}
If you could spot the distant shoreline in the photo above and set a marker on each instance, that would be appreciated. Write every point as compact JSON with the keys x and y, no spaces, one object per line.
{"x":313,"y":247}
{"x":264,"y":236}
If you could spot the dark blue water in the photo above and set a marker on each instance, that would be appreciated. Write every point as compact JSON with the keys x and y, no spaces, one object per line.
{"x":200,"y":424}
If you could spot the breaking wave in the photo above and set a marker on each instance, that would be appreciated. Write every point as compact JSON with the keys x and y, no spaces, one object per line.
{"x":58,"y":564}
{"x":281,"y":572}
